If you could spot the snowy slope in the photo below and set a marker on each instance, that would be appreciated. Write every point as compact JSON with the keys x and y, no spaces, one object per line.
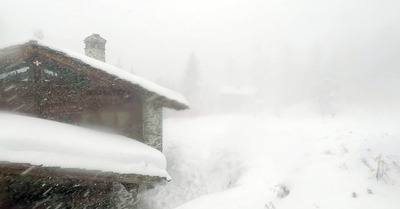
{"x":42,"y":142}
{"x":293,"y":161}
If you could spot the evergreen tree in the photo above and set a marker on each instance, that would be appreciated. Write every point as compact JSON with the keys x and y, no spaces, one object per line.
{"x":190,"y":83}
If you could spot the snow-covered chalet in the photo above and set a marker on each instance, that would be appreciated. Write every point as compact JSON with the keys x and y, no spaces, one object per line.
{"x":53,"y":104}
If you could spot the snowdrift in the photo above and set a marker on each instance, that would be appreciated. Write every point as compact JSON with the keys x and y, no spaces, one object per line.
{"x":47,"y":143}
{"x":263,"y":161}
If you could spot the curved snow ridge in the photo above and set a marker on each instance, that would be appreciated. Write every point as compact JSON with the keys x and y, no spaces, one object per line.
{"x":37,"y":141}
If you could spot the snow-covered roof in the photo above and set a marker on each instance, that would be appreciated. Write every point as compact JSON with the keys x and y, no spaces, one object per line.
{"x":121,"y":74}
{"x":47,"y":143}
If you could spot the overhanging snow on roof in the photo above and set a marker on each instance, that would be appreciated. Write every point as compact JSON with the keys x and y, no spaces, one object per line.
{"x":34,"y":141}
{"x":179,"y":99}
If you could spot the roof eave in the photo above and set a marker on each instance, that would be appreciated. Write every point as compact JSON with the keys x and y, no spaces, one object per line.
{"x":38,"y":171}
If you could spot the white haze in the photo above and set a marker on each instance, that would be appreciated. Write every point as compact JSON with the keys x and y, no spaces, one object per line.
{"x":292,"y":51}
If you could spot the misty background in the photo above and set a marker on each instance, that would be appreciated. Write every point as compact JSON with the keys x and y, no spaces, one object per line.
{"x":234,"y":54}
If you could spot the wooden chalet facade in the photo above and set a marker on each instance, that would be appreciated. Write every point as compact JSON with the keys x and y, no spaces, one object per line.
{"x":43,"y":81}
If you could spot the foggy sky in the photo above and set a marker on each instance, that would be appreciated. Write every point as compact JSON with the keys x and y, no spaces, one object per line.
{"x":287,"y":46}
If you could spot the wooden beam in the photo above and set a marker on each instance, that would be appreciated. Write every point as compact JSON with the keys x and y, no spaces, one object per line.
{"x":89,"y":176}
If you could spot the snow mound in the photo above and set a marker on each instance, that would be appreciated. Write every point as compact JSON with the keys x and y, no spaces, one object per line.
{"x":268,"y":162}
{"x":37,"y":141}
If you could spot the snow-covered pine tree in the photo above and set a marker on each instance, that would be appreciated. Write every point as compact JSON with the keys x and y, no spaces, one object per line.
{"x":190,"y":82}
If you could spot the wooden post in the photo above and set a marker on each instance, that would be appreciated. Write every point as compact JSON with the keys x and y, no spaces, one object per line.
{"x":3,"y":192}
{"x":35,"y":78}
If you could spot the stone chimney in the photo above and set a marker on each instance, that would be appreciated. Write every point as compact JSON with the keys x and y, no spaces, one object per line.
{"x":95,"y":47}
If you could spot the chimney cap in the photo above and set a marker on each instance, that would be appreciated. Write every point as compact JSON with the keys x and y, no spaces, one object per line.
{"x":95,"y":38}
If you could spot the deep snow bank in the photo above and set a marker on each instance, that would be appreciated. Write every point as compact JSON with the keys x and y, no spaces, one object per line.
{"x":36,"y":141}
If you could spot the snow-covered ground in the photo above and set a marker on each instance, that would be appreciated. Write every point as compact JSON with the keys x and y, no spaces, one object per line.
{"x":298,"y":159}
